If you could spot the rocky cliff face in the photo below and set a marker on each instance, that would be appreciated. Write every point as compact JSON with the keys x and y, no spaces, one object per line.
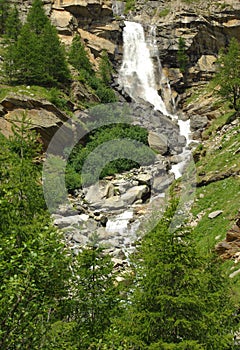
{"x":205,"y":27}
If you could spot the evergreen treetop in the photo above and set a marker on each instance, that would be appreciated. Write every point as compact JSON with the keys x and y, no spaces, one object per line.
{"x":228,"y":73}
{"x":37,"y":57}
{"x":180,"y":300}
{"x":13,"y":24}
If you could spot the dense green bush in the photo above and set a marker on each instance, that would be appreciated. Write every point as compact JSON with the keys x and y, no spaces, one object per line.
{"x":103,"y":145}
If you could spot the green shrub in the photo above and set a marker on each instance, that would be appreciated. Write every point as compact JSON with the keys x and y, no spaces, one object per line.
{"x":100,"y":152}
{"x":130,"y":5}
{"x":164,"y":12}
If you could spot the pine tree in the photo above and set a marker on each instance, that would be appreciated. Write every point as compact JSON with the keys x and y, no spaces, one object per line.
{"x":78,"y":56}
{"x":13,"y":24}
{"x":95,"y":298}
{"x":37,"y":56}
{"x":4,"y":8}
{"x":228,"y":73}
{"x":33,"y":263}
{"x":182,"y":57}
{"x":105,"y":68}
{"x":23,"y":61}
{"x":53,"y":56}
{"x":179,"y":302}
{"x":37,"y":18}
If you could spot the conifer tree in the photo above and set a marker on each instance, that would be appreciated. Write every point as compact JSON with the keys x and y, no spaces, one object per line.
{"x":37,"y":56}
{"x":105,"y":68}
{"x":228,"y":73}
{"x":53,"y":56}
{"x":33,"y":263}
{"x":181,"y":55}
{"x":180,"y":301}
{"x":4,"y":8}
{"x":95,"y":298}
{"x":37,"y":18}
{"x":13,"y":24}
{"x":23,"y":60}
{"x":78,"y":56}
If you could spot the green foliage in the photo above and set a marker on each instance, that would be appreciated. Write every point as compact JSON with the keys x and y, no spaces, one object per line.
{"x":78,"y":56}
{"x":95,"y":297}
{"x":105,"y":68}
{"x":164,"y":12}
{"x":54,"y":64}
{"x":180,"y":301}
{"x":79,"y":59}
{"x":121,"y":132}
{"x":37,"y":56}
{"x":182,"y":57}
{"x":23,"y":58}
{"x":60,"y":336}
{"x":228,"y":75}
{"x":13,"y":24}
{"x":94,"y":300}
{"x":4,"y":8}
{"x":33,"y":263}
{"x":130,"y":5}
{"x":54,"y":184}
{"x":56,"y":97}
{"x":37,"y":18}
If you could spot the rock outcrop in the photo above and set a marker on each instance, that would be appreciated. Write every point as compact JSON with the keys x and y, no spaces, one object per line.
{"x":44,"y":117}
{"x":230,"y":247}
{"x":205,"y":27}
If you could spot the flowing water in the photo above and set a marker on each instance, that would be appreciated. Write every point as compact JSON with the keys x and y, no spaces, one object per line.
{"x":137,"y":77}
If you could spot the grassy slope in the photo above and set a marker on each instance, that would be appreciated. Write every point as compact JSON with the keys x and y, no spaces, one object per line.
{"x":220,"y":155}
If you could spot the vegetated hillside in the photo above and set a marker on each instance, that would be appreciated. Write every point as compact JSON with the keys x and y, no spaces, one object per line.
{"x":217,"y":160}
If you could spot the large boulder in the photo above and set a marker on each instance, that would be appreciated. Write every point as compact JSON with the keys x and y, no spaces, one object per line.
{"x":63,"y":21}
{"x":158,"y":142}
{"x":135,"y":193}
{"x":198,"y":122}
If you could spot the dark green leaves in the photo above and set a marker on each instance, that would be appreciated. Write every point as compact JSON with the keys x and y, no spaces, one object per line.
{"x":36,"y":57}
{"x":228,"y":73}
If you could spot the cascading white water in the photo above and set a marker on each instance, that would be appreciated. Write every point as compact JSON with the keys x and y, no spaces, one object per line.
{"x":136,"y":75}
{"x":137,"y":79}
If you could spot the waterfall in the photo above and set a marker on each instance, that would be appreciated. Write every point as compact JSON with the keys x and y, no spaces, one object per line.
{"x":137,"y":76}
{"x":137,"y":79}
